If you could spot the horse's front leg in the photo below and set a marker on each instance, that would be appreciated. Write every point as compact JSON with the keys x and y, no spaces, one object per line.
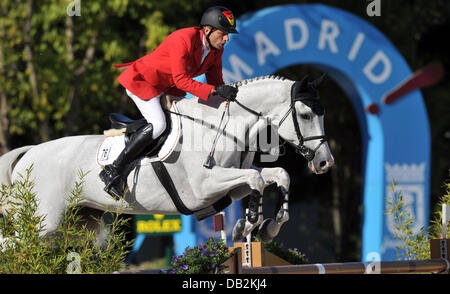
{"x":253,"y":217}
{"x":238,"y":183}
{"x":270,"y":228}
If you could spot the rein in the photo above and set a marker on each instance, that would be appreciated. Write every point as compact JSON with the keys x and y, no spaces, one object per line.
{"x":209,"y":160}
{"x":258,"y":114}
{"x":208,"y":163}
{"x":307,"y":152}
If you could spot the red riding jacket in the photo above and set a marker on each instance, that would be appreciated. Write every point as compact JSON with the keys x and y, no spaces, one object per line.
{"x":171,"y":67}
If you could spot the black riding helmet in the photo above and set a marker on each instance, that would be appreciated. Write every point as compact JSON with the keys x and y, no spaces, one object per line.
{"x":219,"y":17}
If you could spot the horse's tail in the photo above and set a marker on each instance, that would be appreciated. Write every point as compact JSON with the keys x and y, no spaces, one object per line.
{"x":8,"y":161}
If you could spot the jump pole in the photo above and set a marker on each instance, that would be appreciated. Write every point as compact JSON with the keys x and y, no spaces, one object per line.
{"x":383,"y":267}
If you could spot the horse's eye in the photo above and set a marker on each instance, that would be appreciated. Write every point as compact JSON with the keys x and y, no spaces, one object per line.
{"x":305,"y":116}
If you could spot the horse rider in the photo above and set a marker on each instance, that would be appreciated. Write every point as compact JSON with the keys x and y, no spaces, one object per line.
{"x":170,"y":69}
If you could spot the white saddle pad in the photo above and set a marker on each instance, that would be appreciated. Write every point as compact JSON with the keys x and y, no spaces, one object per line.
{"x":110,"y":148}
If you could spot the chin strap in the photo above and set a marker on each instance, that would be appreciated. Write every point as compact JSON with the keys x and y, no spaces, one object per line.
{"x":207,"y":38}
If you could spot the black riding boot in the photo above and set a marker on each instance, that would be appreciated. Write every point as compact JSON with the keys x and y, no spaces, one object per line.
{"x":115,"y":175}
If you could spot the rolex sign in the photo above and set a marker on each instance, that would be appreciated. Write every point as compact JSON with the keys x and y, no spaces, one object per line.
{"x":157,"y":224}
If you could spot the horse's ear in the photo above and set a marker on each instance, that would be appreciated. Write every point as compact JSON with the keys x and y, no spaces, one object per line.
{"x":314,"y":84}
{"x":304,"y":84}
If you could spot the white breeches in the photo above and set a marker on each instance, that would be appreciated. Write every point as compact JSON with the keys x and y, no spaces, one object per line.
{"x":152,"y":112}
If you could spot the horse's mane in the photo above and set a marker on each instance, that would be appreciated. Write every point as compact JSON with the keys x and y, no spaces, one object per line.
{"x":216,"y":102}
{"x":262,"y":78}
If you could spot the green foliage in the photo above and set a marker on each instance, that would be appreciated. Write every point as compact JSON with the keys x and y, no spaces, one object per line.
{"x":204,"y":258}
{"x":65,"y":84}
{"x":72,"y":249}
{"x":436,"y":230}
{"x":293,"y":256}
{"x":413,"y":245}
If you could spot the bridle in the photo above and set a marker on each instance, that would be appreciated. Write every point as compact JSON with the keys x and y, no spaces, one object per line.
{"x":297,"y":95}
{"x":301,"y":148}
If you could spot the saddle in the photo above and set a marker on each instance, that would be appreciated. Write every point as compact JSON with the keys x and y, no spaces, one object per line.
{"x":129,"y":127}
{"x":123,"y":125}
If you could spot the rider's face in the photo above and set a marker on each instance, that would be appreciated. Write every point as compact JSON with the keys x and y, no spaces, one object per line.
{"x":218,"y":38}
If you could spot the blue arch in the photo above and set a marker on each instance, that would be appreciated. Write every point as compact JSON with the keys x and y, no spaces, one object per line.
{"x":366,"y":66}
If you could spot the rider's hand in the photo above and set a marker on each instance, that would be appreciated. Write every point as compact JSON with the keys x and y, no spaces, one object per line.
{"x":227,"y":92}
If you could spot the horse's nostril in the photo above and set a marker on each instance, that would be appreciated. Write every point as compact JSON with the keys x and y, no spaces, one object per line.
{"x":323,"y":163}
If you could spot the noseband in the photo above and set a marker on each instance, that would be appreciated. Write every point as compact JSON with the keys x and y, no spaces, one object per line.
{"x":298,"y":95}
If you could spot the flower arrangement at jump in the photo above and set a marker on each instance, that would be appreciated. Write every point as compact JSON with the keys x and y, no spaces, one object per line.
{"x":209,"y":257}
{"x":204,"y":258}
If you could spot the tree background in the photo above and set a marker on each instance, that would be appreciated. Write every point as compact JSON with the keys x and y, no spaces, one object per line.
{"x":57,"y":79}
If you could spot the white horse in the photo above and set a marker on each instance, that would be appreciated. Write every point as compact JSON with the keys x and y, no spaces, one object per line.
{"x":292,"y":109}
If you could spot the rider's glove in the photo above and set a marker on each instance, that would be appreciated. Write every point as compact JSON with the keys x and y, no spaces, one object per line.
{"x":227,"y":92}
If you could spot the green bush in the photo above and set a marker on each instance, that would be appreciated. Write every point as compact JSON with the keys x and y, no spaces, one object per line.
{"x":414,"y":246}
{"x":72,"y":249}
{"x":291,"y":255}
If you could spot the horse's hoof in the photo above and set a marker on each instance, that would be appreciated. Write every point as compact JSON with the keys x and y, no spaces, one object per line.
{"x":263,"y":230}
{"x":238,"y":230}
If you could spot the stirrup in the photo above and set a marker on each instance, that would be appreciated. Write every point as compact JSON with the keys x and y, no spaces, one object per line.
{"x":116,"y":192}
{"x":112,"y":186}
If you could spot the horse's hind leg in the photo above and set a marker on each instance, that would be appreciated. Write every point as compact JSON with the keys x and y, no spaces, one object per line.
{"x":96,"y":221}
{"x":4,"y":243}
